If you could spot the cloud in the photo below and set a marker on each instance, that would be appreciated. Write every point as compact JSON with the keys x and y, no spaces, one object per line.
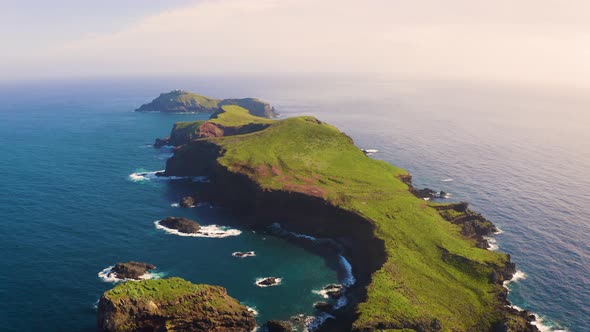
{"x":540,"y":41}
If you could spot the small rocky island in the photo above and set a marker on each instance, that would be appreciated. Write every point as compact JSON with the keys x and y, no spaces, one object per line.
{"x":268,"y":282}
{"x":180,"y":224}
{"x":130,"y":270}
{"x":179,"y":101}
{"x":171,"y":304}
{"x":187,"y":202}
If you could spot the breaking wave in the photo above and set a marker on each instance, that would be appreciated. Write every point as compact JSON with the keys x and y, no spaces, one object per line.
{"x":107,"y":275}
{"x":210,"y":231}
{"x":259,"y":280}
{"x":240,"y":254}
{"x":152,"y":176}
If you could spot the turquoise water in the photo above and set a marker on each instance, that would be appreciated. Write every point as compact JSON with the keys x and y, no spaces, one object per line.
{"x":69,"y":210}
{"x":520,"y":156}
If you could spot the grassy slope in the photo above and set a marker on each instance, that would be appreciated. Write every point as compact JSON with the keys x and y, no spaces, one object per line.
{"x":175,"y":290}
{"x":193,"y":98}
{"x":155,"y":289}
{"x":235,"y":116}
{"x":415,"y":285}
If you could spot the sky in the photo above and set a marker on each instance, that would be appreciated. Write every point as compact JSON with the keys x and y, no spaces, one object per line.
{"x":538,"y":41}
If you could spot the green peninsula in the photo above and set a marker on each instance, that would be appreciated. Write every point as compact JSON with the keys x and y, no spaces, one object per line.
{"x":420,"y":266}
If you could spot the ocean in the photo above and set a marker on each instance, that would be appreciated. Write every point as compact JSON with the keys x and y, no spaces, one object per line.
{"x":69,"y":207}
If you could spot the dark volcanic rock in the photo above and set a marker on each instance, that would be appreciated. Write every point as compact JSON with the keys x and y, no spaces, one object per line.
{"x":323,"y":306}
{"x":187,"y":202}
{"x":180,"y":224}
{"x":270,"y":281}
{"x":131,"y":270}
{"x":160,"y":142}
{"x":278,"y":326}
{"x":334,"y":290}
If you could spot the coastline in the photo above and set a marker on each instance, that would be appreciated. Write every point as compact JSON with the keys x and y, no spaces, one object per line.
{"x":245,"y":177}
{"x":263,"y":208}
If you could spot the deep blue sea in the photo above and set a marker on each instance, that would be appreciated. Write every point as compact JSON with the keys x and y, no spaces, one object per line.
{"x":519,"y":155}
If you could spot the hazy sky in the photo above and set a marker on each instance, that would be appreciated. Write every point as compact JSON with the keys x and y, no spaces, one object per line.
{"x":544,"y":41}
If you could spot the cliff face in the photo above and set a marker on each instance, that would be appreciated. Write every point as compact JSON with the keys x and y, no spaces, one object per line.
{"x":171,"y":305}
{"x":415,"y":270}
{"x":178,"y":101}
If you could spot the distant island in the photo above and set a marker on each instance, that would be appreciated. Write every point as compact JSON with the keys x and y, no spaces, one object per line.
{"x":419,"y":265}
{"x":178,"y":101}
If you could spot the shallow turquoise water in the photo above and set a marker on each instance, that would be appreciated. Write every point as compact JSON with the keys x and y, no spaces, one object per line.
{"x":520,"y":156}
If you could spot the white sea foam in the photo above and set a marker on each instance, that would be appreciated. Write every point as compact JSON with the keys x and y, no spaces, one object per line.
{"x":244,"y":254}
{"x":259,"y":280}
{"x":447,"y":180}
{"x":540,"y":322}
{"x":253,"y":311}
{"x":341,"y":302}
{"x":544,"y":326}
{"x":370,"y":151}
{"x":151,"y":176}
{"x":107,"y":275}
{"x":210,"y":231}
{"x":348,"y":278}
{"x":492,"y":243}
{"x":518,"y":275}
{"x":322,"y":292}
{"x":313,"y":323}
{"x":175,"y":205}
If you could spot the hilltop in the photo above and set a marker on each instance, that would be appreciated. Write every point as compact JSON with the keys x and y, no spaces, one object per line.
{"x":420,"y":266}
{"x":179,"y":101}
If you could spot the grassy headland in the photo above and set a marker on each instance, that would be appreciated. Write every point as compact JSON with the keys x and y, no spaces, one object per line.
{"x":434,"y":276}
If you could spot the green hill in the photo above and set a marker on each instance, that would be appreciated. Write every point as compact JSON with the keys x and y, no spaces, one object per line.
{"x":434,"y":277}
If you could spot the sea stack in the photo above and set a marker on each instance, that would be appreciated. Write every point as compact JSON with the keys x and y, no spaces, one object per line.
{"x":130,"y":270}
{"x":180,"y":224}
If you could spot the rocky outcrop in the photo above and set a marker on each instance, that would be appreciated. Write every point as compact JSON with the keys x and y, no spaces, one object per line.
{"x":334,"y":291}
{"x":268,"y":282}
{"x":180,"y":224}
{"x":187,"y":202}
{"x":185,"y":132}
{"x":473,"y":225}
{"x":131,"y":270}
{"x":179,"y":101}
{"x":171,"y":304}
{"x":278,"y":326}
{"x":323,"y":306}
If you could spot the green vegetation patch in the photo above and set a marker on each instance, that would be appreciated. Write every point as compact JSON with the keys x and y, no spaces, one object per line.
{"x":155,"y":289}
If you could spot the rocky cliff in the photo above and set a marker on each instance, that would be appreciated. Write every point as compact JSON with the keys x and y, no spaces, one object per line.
{"x":171,"y":305}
